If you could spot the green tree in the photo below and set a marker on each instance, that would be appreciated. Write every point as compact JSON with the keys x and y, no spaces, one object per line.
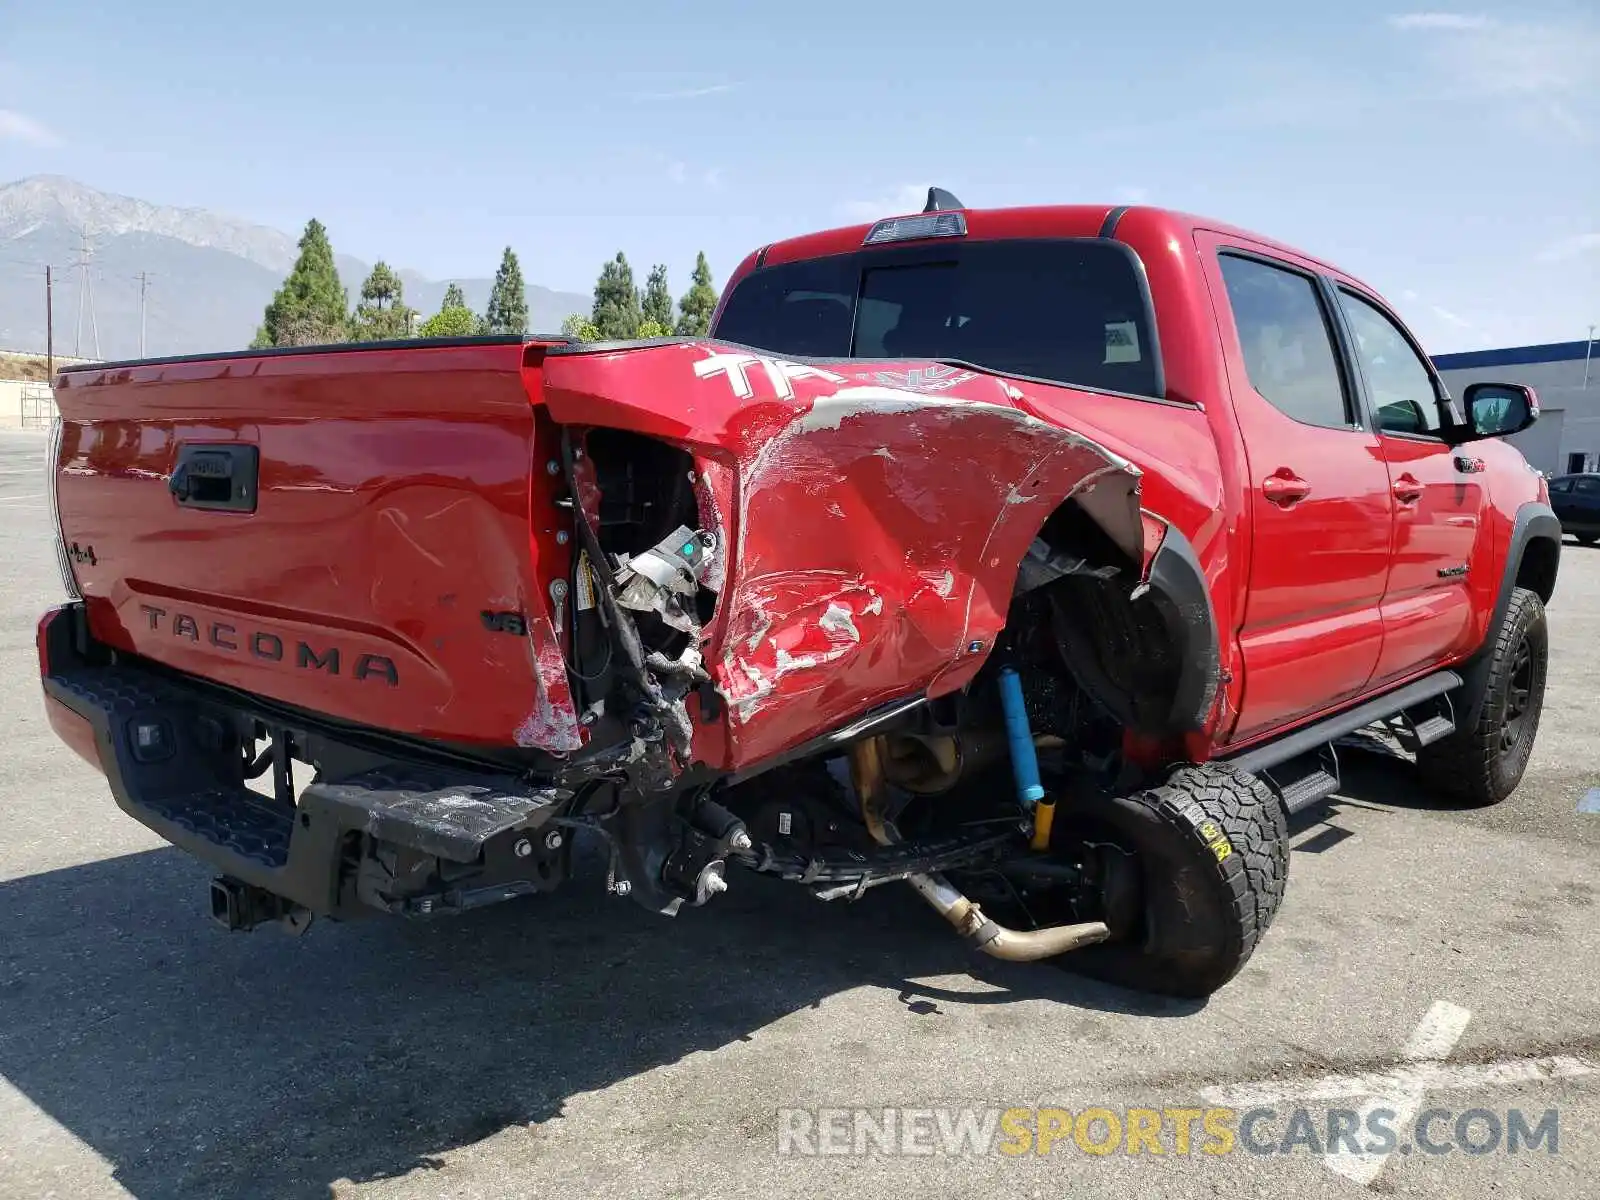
{"x":383,"y":313}
{"x":456,"y":321}
{"x":656,"y":303}
{"x":616,"y":304}
{"x":698,"y":303}
{"x":311,"y":306}
{"x":508,"y":299}
{"x":652,"y":329}
{"x":454,"y":318}
{"x":581,"y":328}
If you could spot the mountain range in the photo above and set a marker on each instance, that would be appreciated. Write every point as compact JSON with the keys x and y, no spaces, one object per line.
{"x":207,"y":276}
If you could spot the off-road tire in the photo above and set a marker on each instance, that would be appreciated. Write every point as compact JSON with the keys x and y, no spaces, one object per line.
{"x":1482,"y":763}
{"x":1210,"y":847}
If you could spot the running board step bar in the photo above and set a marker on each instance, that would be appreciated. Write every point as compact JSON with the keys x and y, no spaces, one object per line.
{"x":1306,"y":740}
{"x":1304,"y":781}
{"x":1425,"y":724}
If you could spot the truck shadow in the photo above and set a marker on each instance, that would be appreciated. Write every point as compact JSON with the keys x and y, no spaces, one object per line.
{"x":204,"y":1064}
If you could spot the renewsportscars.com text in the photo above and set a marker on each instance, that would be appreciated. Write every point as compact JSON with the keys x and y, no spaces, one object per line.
{"x":1015,"y":1132}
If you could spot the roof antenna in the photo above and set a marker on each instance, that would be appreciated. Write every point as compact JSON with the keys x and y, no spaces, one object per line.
{"x":940,"y":200}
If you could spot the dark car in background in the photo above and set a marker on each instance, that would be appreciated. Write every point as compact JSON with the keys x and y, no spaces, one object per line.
{"x":1576,"y":499}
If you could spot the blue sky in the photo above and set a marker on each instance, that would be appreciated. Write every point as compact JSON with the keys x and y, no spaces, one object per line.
{"x":1449,"y":157}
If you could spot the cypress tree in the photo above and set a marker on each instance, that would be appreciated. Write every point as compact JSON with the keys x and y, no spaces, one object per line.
{"x":312,"y":305}
{"x":616,"y":304}
{"x":698,"y":303}
{"x":382,"y":313}
{"x":656,"y":303}
{"x":508,"y":299}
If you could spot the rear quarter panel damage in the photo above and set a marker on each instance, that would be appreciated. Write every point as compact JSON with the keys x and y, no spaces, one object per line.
{"x":870,"y":519}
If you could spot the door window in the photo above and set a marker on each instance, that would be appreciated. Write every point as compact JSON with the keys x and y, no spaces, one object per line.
{"x":1287,"y":345}
{"x":1587,"y":485}
{"x":1560,"y":487}
{"x":1403,"y":395}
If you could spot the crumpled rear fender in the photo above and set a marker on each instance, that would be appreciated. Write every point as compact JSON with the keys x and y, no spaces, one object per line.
{"x":869,"y":520}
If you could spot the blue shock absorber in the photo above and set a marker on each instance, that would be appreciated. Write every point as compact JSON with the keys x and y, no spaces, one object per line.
{"x":1024,"y":760}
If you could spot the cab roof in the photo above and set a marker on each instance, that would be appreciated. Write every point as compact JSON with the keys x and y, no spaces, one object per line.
{"x":1032,"y":221}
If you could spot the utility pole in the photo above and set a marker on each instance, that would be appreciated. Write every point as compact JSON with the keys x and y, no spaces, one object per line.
{"x":143,"y":283}
{"x":1588,"y":349}
{"x":85,"y":290}
{"x":49,"y":328}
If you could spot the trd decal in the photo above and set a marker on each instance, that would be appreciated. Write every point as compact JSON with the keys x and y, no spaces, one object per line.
{"x":780,"y":373}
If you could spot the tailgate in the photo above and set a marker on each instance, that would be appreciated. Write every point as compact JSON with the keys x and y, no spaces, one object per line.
{"x":347,"y":531}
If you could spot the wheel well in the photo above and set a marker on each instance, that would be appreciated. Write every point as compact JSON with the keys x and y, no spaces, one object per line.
{"x":1079,"y":594}
{"x":1537,"y":570}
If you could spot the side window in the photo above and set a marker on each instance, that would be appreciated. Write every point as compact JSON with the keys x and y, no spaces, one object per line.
{"x":1560,"y":486}
{"x":1288,"y":348}
{"x":1587,"y":485}
{"x":1400,"y":382}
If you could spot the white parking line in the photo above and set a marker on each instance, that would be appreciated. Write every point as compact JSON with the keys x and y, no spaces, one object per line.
{"x":1402,"y":1089}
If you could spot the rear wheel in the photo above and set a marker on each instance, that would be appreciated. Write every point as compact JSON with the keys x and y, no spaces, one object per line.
{"x":1482,"y":763}
{"x":1209,"y":853}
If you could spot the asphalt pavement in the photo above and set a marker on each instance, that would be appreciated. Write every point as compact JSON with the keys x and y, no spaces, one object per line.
{"x":1425,"y":961}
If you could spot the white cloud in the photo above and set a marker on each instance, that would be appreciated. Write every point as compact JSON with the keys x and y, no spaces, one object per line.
{"x":713,"y":178}
{"x":906,"y":198}
{"x":1450,"y":318}
{"x":677,"y":171}
{"x":1130,"y":194}
{"x":1572,"y":247}
{"x":689,"y":93}
{"x":19,"y":127}
{"x":1539,"y":73}
{"x":1439,"y":20}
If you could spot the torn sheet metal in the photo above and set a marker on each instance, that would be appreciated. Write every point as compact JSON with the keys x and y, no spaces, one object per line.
{"x":869,"y":534}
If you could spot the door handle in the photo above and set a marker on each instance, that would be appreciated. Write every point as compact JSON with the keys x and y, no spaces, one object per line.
{"x":1407,"y":490}
{"x":1284,"y":487}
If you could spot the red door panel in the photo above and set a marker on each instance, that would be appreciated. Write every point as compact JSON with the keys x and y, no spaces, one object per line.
{"x":1427,"y":605}
{"x":1320,"y":497}
{"x":1439,"y":526}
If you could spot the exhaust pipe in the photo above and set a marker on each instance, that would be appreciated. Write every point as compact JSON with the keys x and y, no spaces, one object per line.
{"x":994,"y":939}
{"x":1013,"y":945}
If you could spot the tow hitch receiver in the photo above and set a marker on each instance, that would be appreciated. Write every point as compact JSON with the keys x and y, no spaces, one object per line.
{"x":239,"y":907}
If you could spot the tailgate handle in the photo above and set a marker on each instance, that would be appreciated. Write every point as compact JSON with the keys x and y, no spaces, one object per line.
{"x":216,"y":477}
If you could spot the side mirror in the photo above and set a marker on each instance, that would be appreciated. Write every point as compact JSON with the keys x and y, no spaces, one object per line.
{"x":1498,"y":409}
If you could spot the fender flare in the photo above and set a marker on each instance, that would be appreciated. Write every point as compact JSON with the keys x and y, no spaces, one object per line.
{"x":1178,"y":587}
{"x":1534,"y":521}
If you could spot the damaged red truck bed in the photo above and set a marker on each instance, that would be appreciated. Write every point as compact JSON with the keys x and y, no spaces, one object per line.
{"x":1073,"y":537}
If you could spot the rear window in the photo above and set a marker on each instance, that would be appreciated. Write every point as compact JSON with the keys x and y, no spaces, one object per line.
{"x":1066,"y":311}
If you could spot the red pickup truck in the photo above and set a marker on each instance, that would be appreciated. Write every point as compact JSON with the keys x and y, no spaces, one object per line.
{"x":1040,"y":558}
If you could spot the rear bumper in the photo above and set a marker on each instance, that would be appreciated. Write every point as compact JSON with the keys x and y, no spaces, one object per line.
{"x":370,"y":832}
